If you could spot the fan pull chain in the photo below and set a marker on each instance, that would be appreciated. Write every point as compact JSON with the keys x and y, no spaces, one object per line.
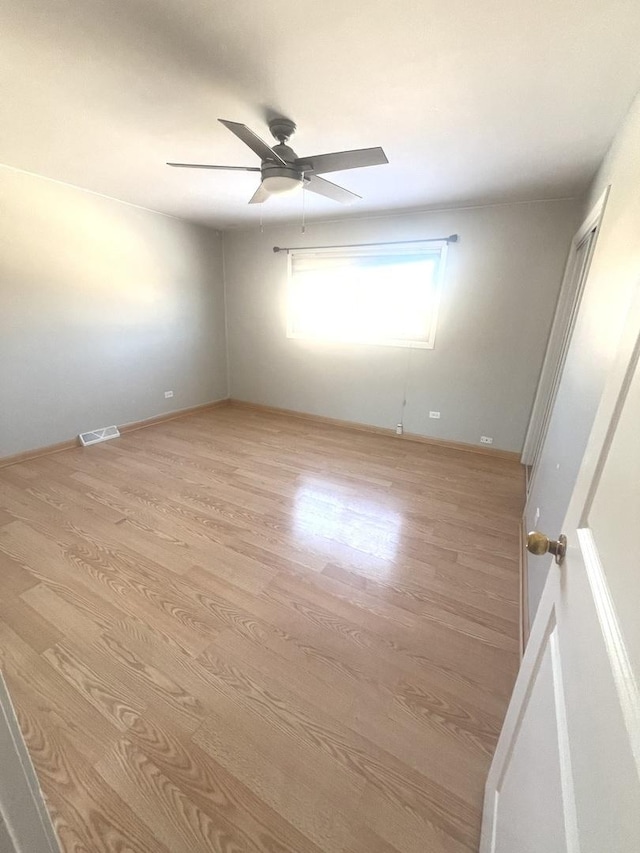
{"x":304,"y":227}
{"x":406,"y":384}
{"x":261,"y":225}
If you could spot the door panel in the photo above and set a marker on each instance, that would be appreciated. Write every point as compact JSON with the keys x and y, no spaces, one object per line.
{"x":600,"y":694}
{"x":520,"y":795}
{"x":614,"y":516}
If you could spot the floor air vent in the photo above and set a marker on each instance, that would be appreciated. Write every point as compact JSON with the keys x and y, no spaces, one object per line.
{"x":98,"y":435}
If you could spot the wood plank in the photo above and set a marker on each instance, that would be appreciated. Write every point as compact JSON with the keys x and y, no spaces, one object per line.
{"x":243,"y":631}
{"x":88,"y":814}
{"x":39,"y":633}
{"x":155,"y":769}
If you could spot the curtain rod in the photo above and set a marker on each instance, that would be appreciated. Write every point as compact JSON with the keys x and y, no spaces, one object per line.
{"x":452,"y":238}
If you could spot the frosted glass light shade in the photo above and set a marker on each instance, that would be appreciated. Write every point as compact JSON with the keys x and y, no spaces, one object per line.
{"x":281,"y":184}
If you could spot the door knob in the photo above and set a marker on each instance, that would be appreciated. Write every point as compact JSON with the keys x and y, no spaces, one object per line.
{"x":539,"y":544}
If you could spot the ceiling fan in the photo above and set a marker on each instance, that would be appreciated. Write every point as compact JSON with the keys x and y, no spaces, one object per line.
{"x":283,"y":172}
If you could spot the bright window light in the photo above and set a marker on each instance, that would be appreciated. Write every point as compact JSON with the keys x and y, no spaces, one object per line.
{"x":378,"y":295}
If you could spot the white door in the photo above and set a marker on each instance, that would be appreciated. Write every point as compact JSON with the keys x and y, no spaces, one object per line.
{"x":566,"y":774}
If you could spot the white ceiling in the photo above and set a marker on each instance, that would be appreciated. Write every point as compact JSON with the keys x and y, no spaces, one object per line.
{"x":472,"y":101}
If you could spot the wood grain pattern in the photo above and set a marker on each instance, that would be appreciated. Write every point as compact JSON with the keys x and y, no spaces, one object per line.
{"x":238,"y":631}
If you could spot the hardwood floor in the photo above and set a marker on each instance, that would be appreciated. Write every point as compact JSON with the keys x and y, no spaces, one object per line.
{"x":242,"y":632}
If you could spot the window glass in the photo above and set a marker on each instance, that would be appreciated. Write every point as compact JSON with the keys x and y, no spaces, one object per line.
{"x":383,"y":296}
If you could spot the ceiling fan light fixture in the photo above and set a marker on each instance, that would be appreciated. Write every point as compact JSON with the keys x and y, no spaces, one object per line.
{"x":284,"y":173}
{"x":281,"y":184}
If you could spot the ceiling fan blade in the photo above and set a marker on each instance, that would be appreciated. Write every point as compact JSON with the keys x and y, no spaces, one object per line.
{"x":259,"y":196}
{"x":332,"y":191}
{"x":252,"y":140}
{"x":206,"y":166}
{"x":340,"y":160}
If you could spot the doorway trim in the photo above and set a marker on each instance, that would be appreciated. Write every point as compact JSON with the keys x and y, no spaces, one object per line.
{"x":24,"y":818}
{"x":560,"y":335}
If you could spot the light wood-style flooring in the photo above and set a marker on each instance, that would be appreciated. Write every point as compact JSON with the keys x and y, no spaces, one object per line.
{"x":240,"y":632}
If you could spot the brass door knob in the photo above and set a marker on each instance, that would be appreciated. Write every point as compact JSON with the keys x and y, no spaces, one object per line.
{"x":539,"y":544}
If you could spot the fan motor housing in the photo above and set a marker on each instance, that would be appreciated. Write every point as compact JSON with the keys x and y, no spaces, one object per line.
{"x":282,"y":128}
{"x":271,"y":168}
{"x":285,"y":152}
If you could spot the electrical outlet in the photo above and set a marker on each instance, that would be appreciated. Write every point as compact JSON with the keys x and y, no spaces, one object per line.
{"x":434,"y":414}
{"x":399,"y":429}
{"x":168,"y":394}
{"x":486,"y":439}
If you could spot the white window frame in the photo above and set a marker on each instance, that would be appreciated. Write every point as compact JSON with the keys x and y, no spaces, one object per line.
{"x":435,"y":247}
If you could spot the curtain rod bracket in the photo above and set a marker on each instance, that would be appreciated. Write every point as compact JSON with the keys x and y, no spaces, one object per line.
{"x":452,"y":238}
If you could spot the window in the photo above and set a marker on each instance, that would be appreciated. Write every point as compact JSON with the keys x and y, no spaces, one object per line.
{"x":367,"y":294}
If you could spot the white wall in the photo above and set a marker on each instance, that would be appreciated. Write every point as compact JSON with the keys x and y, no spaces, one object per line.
{"x":613,"y":280}
{"x":103,"y":307}
{"x":501,"y":287}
